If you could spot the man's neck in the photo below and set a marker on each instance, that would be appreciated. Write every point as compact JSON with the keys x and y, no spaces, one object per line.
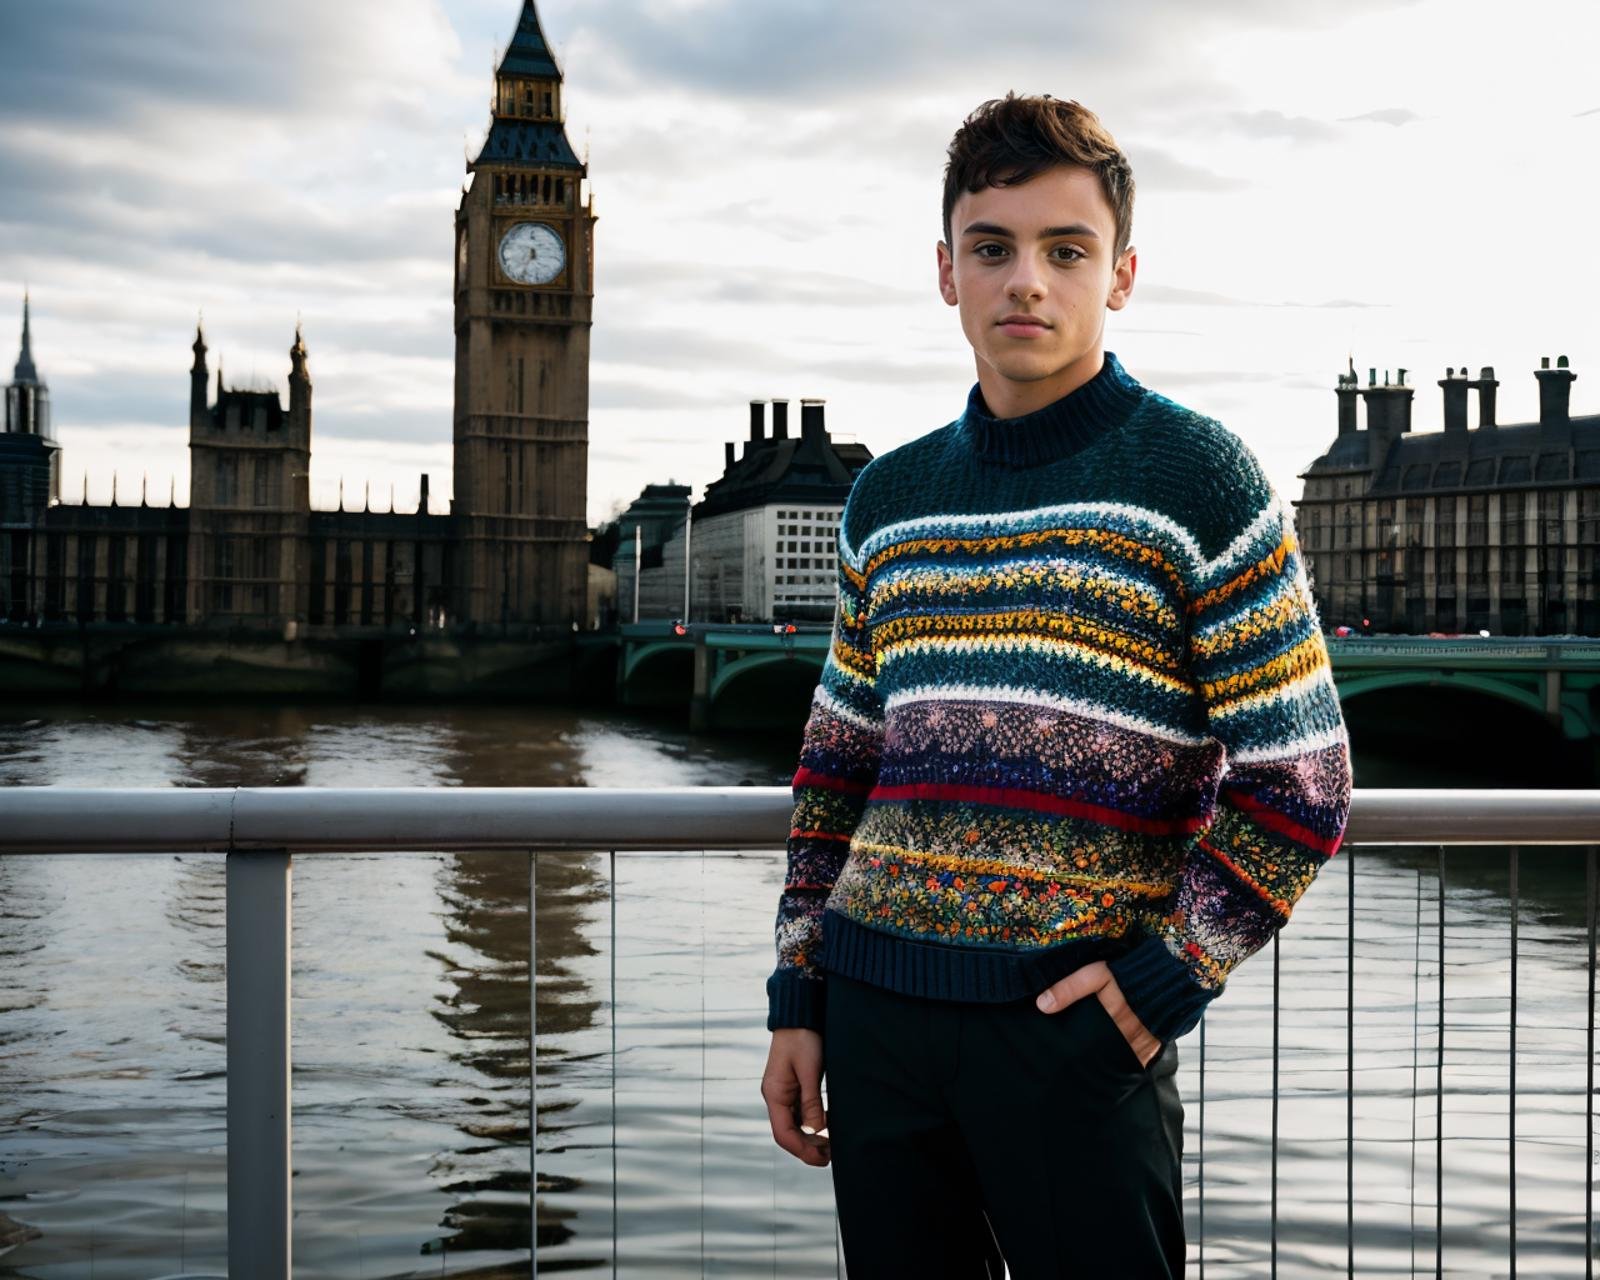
{"x":1008,"y":398}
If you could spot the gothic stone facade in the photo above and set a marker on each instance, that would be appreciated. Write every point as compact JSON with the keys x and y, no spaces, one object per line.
{"x":1493,"y":527}
{"x":249,"y":550}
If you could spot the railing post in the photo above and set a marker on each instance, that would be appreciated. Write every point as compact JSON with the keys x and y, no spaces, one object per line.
{"x":533,"y":1062}
{"x":258,"y":1066}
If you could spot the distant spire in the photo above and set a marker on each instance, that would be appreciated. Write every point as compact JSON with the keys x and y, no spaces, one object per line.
{"x":297,"y":353}
{"x":25,"y":373}
{"x":144,"y":490}
{"x":172,"y":494}
{"x":86,"y":486}
{"x":366,"y":501}
{"x":113,"y":488}
{"x":341,"y":493}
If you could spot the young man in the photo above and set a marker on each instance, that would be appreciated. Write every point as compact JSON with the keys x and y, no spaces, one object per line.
{"x":1074,"y":755}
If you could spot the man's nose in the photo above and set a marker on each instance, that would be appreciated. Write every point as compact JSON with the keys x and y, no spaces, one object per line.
{"x":1027,"y":280}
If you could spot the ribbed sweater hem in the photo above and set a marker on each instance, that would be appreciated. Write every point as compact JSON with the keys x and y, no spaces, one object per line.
{"x":935,"y":972}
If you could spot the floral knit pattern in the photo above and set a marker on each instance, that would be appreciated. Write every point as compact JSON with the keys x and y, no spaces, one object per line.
{"x":1077,"y":705}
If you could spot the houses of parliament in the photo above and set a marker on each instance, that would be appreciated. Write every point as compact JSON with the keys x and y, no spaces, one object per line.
{"x":248,"y":550}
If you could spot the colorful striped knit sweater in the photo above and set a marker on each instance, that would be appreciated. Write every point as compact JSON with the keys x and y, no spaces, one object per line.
{"x":1077,"y":706}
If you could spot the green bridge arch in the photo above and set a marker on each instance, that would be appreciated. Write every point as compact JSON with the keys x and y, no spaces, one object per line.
{"x":729,"y":673}
{"x":636,"y":656}
{"x":1525,"y":691}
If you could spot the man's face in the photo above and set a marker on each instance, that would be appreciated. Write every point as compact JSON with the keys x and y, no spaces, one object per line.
{"x":1032,"y":271}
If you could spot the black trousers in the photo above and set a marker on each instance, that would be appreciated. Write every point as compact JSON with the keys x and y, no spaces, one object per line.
{"x":961,"y":1132}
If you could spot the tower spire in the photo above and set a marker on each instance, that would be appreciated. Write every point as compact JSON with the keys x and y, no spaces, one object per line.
{"x":25,"y":373}
{"x":529,"y":53}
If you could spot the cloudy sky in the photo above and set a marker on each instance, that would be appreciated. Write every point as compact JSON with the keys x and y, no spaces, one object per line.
{"x":1413,"y":183}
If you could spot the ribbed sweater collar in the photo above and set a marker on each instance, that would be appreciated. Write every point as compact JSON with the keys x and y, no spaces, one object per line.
{"x":1060,"y":428}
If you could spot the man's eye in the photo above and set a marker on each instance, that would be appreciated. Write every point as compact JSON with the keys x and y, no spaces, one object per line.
{"x":982,"y":250}
{"x":1072,"y":251}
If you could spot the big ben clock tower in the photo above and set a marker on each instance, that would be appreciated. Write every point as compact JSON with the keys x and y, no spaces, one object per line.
{"x":523,"y":297}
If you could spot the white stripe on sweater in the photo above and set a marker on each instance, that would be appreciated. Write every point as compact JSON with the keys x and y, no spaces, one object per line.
{"x":1040,"y":698}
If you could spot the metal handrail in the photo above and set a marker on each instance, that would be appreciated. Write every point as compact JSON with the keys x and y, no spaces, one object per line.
{"x":393,"y":819}
{"x":261,"y":828}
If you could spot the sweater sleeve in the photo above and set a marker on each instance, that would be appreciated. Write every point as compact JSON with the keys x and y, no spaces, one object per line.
{"x":1257,"y":656}
{"x":839,"y":755}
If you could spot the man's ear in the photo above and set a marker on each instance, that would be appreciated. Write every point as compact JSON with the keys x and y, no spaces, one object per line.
{"x":947,"y":273}
{"x":1122,"y":275}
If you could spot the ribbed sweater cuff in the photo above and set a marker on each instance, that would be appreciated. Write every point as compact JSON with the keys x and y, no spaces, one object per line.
{"x":1160,"y":990}
{"x":794,"y":1000}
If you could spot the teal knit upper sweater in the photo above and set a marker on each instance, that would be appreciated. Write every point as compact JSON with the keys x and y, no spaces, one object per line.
{"x":1077,"y":706}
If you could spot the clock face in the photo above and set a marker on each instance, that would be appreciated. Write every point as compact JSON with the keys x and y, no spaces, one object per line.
{"x":532,"y":253}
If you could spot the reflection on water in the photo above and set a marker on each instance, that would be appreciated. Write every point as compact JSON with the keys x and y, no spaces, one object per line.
{"x":411,"y":1016}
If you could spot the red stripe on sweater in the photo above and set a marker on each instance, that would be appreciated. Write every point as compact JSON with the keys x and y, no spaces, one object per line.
{"x":1043,"y":802}
{"x":1263,"y":816}
{"x":804,"y":777}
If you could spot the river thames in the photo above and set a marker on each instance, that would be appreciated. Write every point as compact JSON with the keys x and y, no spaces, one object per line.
{"x":410,"y":1026}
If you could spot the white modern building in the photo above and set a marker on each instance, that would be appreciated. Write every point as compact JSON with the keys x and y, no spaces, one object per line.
{"x":763,"y":546}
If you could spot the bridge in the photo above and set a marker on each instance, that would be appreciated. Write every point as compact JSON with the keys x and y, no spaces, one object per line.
{"x":1556,"y":678}
{"x":722,"y":659}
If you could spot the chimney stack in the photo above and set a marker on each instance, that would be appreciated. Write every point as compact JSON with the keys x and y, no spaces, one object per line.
{"x":1348,"y":390}
{"x":758,"y":419}
{"x":727,"y":456}
{"x":1388,"y":414}
{"x":1484,"y":384}
{"x":780,"y":419}
{"x":422,"y":500}
{"x":1555,"y":392}
{"x":1455,"y":399}
{"x":811,"y":427}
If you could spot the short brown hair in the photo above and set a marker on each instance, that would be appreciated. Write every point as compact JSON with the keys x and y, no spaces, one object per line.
{"x":1009,"y":140}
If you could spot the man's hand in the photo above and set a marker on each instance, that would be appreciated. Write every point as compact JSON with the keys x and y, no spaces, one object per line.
{"x":1094,"y":982}
{"x":792,"y":1087}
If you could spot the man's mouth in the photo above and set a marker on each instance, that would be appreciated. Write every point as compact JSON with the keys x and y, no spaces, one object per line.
{"x":1022,"y":326}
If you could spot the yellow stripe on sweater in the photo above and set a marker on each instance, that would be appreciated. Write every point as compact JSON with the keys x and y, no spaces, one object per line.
{"x":1295,"y":664}
{"x":1036,"y":644}
{"x":1116,"y":544}
{"x":1027,"y":623}
{"x":1268,"y":566}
